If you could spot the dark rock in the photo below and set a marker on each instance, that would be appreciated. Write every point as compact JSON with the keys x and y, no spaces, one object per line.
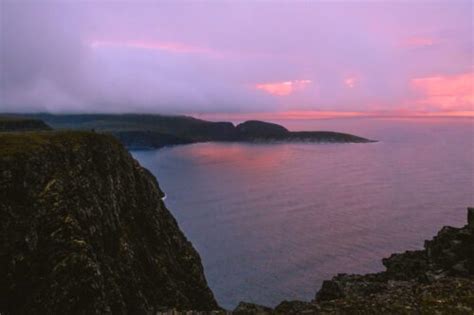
{"x":449,"y":248}
{"x":251,"y":309}
{"x":255,"y":128}
{"x":437,"y":279}
{"x":409,"y":265}
{"x":470,"y":217}
{"x":343,"y":285}
{"x":139,"y":131}
{"x":84,"y":230}
{"x":445,"y":296}
{"x":330,"y":290}
{"x":9,"y":124}
{"x":296,"y":307}
{"x":325,"y":136}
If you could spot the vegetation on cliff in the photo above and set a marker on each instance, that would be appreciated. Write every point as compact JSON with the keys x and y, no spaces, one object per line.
{"x":260,"y":131}
{"x":8,"y":123}
{"x":139,"y":131}
{"x":84,"y":230}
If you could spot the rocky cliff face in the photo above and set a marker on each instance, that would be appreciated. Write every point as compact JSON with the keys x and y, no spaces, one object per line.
{"x":84,"y":230}
{"x":22,"y":124}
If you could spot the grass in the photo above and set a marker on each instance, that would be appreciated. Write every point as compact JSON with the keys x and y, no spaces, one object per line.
{"x":14,"y":143}
{"x":14,"y":118}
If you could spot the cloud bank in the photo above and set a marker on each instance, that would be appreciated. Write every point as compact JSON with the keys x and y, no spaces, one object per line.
{"x":236,"y":57}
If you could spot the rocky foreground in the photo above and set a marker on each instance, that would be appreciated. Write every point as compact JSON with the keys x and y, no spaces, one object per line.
{"x":84,"y":230}
{"x":436,"y":280}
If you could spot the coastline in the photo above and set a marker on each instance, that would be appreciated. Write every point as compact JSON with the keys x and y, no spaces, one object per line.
{"x":426,"y":270}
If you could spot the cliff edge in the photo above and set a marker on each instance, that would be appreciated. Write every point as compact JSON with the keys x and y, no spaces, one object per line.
{"x":84,"y":230}
{"x":8,"y":123}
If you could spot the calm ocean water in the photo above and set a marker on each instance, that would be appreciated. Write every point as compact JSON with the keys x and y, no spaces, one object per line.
{"x":272,"y":221}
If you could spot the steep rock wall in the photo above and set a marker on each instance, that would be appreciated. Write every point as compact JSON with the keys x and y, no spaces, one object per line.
{"x":84,"y":230}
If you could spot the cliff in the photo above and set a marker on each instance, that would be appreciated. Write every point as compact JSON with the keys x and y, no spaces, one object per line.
{"x":255,"y":128}
{"x":22,"y":124}
{"x":140,"y":131}
{"x":261,"y":131}
{"x":84,"y":230}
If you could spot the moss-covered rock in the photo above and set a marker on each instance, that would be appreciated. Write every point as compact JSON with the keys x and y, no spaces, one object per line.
{"x":255,"y":128}
{"x":84,"y":230}
{"x":8,"y":123}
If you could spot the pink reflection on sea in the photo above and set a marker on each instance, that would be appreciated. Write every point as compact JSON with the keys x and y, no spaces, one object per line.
{"x":272,"y":221}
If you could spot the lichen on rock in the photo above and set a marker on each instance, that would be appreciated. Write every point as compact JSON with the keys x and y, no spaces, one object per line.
{"x":84,"y":230}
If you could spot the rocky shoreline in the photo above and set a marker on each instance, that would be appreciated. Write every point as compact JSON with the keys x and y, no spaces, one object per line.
{"x":438,"y":279}
{"x":84,"y":230}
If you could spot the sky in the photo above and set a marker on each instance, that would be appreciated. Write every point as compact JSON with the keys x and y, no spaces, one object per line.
{"x":294,"y":59}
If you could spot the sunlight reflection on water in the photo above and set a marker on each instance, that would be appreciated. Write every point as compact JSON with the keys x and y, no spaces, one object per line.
{"x":272,"y":221}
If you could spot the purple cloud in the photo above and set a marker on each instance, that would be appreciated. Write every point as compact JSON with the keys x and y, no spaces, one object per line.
{"x":204,"y":57}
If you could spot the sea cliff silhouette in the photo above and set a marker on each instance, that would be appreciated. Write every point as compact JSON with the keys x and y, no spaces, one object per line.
{"x":146,"y":131}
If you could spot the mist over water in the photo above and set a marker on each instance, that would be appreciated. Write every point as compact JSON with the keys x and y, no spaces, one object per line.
{"x":272,"y":221}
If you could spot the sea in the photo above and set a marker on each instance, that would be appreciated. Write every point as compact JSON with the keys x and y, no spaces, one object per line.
{"x":272,"y":221}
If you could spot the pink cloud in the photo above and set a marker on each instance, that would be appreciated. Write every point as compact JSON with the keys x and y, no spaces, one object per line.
{"x":312,"y":114}
{"x":283,"y":88}
{"x":416,"y":41}
{"x":350,"y":82}
{"x":445,"y":92}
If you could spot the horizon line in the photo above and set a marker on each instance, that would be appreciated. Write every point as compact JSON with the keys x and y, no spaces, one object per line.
{"x":283,"y":115}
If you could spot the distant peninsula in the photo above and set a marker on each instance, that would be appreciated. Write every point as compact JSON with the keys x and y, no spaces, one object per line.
{"x":146,"y":131}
